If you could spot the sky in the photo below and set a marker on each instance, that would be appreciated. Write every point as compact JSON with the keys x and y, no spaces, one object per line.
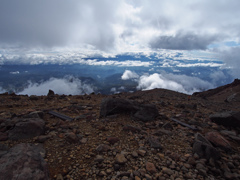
{"x":59,"y":30}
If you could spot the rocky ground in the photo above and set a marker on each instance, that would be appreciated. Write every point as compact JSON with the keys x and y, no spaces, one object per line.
{"x":126,"y":136}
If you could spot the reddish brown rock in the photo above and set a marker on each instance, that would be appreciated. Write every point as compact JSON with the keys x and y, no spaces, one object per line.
{"x":218,"y":140}
{"x":150,"y":167}
{"x":112,"y":140}
{"x":120,"y":159}
{"x":71,"y":137}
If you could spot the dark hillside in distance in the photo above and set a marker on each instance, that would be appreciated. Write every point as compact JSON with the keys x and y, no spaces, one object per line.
{"x":228,"y":93}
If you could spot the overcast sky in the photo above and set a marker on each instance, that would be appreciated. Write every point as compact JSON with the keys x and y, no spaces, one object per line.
{"x":121,"y":26}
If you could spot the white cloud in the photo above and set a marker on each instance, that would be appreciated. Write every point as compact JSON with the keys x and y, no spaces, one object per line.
{"x":15,"y":72}
{"x":217,"y":77}
{"x":180,"y":83}
{"x":67,"y":85}
{"x":211,"y":64}
{"x":129,"y":75}
{"x":231,"y":57}
{"x":115,"y":90}
{"x":2,"y":90}
{"x":147,"y":82}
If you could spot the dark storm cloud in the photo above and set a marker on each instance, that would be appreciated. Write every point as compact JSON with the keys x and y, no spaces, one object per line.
{"x":119,"y":25}
{"x":183,"y":41}
{"x":56,"y":23}
{"x":30,"y":22}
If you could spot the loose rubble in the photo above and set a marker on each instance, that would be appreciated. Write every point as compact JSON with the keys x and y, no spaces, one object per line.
{"x":122,"y":136}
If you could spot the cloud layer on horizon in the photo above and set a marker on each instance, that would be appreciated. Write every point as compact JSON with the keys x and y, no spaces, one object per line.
{"x":175,"y":82}
{"x":67,"y":85}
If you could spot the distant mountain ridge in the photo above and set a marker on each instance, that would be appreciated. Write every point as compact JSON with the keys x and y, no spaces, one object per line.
{"x":222,"y":93}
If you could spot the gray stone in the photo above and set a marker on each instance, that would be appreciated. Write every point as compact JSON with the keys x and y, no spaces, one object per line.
{"x":103,"y":148}
{"x":22,"y":162}
{"x":120,"y":159}
{"x":134,"y":154}
{"x":204,"y":149}
{"x":99,"y":158}
{"x":154,"y":142}
{"x":165,"y":170}
{"x":26,"y":128}
{"x":3,"y":149}
{"x":230,"y":119}
{"x":111,"y":106}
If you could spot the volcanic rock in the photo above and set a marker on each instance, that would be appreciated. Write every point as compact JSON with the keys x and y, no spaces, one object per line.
{"x":27,"y":128}
{"x":71,"y":137}
{"x":218,"y":140}
{"x":230,"y":119}
{"x":150,"y":167}
{"x":112,"y":106}
{"x":112,"y":140}
{"x":120,"y":159}
{"x":50,"y":93}
{"x":131,"y":128}
{"x":23,"y":161}
{"x":103,"y":148}
{"x":154,"y":142}
{"x":3,"y":149}
{"x":3,"y":136}
{"x":204,"y":148}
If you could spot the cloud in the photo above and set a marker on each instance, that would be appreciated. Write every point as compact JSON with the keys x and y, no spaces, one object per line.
{"x":55,"y":23}
{"x":129,"y":75}
{"x":55,"y":31}
{"x":181,"y":83}
{"x":115,"y":90}
{"x":2,"y":90}
{"x":231,"y":58}
{"x":67,"y":85}
{"x":120,"y":25}
{"x":218,"y":77}
{"x":183,"y":41}
{"x":147,"y":82}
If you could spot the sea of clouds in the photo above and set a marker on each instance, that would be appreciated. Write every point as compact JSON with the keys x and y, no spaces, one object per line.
{"x":181,"y":83}
{"x":67,"y":85}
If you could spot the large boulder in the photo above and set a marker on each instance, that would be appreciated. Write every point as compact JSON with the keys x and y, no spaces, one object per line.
{"x":230,"y":119}
{"x":24,"y":162}
{"x":111,"y":106}
{"x":204,"y":148}
{"x":26,"y":128}
{"x":219,"y":141}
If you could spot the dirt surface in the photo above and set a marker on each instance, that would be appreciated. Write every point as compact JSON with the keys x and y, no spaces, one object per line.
{"x":72,"y":147}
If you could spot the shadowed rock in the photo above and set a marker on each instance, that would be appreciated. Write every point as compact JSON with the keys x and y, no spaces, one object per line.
{"x":140,"y":112}
{"x":26,"y":128}
{"x":204,"y":148}
{"x":230,"y":119}
{"x":3,"y":149}
{"x":22,"y":162}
